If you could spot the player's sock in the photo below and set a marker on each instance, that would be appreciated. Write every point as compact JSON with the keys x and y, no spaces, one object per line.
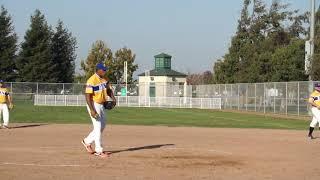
{"x":311,"y":130}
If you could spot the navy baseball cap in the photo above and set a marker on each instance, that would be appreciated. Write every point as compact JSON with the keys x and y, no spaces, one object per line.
{"x":101,"y":66}
{"x":1,"y":81}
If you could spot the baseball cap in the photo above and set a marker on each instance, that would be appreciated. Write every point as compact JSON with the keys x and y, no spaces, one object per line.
{"x":101,"y":66}
{"x":1,"y":81}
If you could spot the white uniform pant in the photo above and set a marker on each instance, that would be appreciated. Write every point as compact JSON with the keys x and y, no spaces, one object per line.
{"x":4,"y":114}
{"x":315,"y":117}
{"x":98,"y":127}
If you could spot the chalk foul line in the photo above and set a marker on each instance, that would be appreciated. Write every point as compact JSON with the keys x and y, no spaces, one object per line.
{"x":41,"y":165}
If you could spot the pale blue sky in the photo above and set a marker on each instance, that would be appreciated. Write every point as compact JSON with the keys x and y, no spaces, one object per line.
{"x":194,"y":32}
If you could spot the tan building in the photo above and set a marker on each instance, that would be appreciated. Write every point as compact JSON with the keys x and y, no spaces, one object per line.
{"x":162,"y":81}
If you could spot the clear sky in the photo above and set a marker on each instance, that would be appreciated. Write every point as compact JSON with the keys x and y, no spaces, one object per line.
{"x":194,"y":32}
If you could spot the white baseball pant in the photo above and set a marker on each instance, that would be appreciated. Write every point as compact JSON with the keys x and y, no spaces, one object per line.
{"x":98,"y":127}
{"x":316,"y":117}
{"x":4,"y":113}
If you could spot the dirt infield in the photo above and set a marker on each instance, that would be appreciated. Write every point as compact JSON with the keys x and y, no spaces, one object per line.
{"x":164,"y":153}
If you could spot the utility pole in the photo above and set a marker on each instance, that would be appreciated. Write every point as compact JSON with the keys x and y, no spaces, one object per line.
{"x":310,"y":43}
{"x":125,"y":75}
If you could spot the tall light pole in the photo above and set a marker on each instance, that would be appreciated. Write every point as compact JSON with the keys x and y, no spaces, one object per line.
{"x":311,"y":41}
{"x":125,"y":75}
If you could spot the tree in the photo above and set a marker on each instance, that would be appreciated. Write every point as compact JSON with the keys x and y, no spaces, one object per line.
{"x":34,"y":63}
{"x":202,"y":78}
{"x":63,"y":54}
{"x":194,"y":79}
{"x":261,"y":45}
{"x":235,"y":62}
{"x":288,"y":63}
{"x":122,"y":55}
{"x":315,"y":61}
{"x":218,"y":72}
{"x":8,"y":47}
{"x":99,"y":53}
{"x":79,"y":78}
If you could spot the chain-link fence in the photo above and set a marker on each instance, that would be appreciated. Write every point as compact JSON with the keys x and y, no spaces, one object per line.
{"x":289,"y":98}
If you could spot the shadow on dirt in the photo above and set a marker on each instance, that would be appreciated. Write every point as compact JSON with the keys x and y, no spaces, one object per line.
{"x":140,"y":148}
{"x":27,"y":126}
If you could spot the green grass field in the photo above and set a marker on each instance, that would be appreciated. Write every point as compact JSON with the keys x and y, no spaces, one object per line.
{"x":27,"y":113}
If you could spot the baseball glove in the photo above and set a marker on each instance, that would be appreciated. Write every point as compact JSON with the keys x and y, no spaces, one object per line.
{"x":108,"y":105}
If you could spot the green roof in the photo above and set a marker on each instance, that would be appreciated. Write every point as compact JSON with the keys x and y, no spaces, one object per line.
{"x":162,"y":55}
{"x":164,"y":72}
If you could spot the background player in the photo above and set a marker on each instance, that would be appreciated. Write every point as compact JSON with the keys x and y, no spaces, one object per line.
{"x":5,"y":105}
{"x":96,"y":96}
{"x":314,"y":100}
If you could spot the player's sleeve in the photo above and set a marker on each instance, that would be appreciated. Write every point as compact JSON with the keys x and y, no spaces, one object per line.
{"x":89,"y":88}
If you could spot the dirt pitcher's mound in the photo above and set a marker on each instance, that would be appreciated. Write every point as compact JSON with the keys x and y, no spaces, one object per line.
{"x":31,"y":151}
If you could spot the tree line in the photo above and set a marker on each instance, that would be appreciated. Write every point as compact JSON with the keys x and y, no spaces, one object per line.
{"x":100,"y":52}
{"x":269,"y":45}
{"x":48,"y":54}
{"x":200,"y":78}
{"x":45,"y":55}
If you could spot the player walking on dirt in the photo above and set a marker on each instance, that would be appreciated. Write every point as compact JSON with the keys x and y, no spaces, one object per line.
{"x":314,"y":100}
{"x":5,"y":105}
{"x":96,"y":95}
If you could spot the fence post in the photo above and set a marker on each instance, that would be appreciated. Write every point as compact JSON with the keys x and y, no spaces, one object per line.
{"x":238,"y":96}
{"x":264,"y":98}
{"x":225,"y":96}
{"x":274,"y":98}
{"x":139,"y":101}
{"x":286,"y":98}
{"x":255,"y":97}
{"x":77,"y":100}
{"x":247,"y":97}
{"x":298,"y":98}
{"x":37,"y":91}
{"x":230,"y":99}
{"x":11,"y":87}
{"x":127,"y":102}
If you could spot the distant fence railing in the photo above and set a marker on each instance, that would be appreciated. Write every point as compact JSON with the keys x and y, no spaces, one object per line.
{"x":132,"y":101}
{"x":288,"y":98}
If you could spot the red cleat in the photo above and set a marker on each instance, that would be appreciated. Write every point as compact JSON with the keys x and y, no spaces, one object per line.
{"x":88,"y":147}
{"x":102,"y":155}
{"x":4,"y":127}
